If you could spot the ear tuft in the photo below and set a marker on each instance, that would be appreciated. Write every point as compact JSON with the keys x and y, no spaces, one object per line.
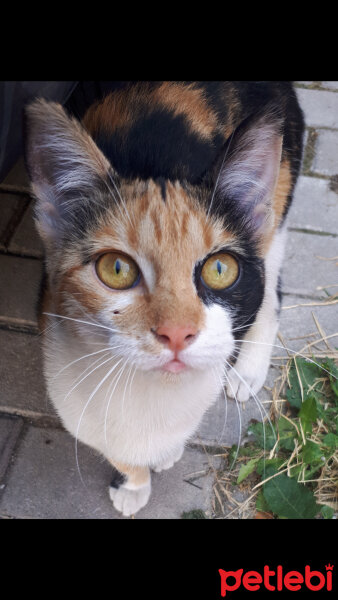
{"x":249,"y":171}
{"x":62,"y":160}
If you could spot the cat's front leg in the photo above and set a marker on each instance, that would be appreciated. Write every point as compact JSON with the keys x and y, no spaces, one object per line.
{"x":130,"y":488}
{"x":248,"y":374}
{"x":169,"y":462}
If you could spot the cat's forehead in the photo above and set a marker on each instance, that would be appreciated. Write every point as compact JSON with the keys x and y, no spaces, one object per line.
{"x":154,"y":223}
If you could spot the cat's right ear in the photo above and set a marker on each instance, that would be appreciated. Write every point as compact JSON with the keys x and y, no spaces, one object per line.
{"x":248,"y":173}
{"x":64,"y":165}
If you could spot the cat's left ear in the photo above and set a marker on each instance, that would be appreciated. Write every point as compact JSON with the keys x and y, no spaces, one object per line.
{"x":64,"y":164}
{"x":247,"y":174}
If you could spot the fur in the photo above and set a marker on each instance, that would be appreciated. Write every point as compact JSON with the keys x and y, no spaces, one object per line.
{"x":168,"y":173}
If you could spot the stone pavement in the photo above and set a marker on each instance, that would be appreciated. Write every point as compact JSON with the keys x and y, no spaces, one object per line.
{"x":38,"y":472}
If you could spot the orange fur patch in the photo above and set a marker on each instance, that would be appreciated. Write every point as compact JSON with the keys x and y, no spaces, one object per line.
{"x":138,"y":476}
{"x":279,"y":202}
{"x":188,"y":101}
{"x":112,"y":112}
{"x":282,"y":190}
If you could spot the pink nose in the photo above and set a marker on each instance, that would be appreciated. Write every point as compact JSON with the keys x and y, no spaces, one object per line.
{"x":175,"y":337}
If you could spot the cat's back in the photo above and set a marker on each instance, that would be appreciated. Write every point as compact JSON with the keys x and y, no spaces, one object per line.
{"x":176,"y":130}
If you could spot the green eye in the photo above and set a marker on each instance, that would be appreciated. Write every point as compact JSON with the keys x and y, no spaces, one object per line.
{"x":220,"y":271}
{"x":117,"y":271}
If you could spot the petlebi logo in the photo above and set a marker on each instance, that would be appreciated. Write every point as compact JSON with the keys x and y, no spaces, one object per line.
{"x":277,"y":579}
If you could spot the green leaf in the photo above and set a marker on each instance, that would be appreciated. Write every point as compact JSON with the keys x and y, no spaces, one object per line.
{"x":247,"y":469}
{"x":330,"y":366}
{"x":261,"y":503}
{"x":311,"y":453}
{"x":308,"y":414}
{"x":293,"y":394}
{"x":265,"y":436}
{"x":308,"y":373}
{"x":289,"y":499}
{"x":287,"y":433}
{"x":194,"y":514}
{"x":327,"y":512}
{"x":330,"y":440}
{"x":269,"y":466}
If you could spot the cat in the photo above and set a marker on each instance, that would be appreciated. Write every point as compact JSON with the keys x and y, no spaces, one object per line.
{"x":162,"y":213}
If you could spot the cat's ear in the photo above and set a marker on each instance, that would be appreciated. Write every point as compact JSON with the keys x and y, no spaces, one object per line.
{"x":247,"y":173}
{"x":64,"y":165}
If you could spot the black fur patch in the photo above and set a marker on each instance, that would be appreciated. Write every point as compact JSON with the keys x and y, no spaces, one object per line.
{"x":159,"y":144}
{"x":162,"y":183}
{"x":118,"y":479}
{"x":243,"y":299}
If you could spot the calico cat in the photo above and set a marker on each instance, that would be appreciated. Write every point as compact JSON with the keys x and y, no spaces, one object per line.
{"x":162,"y":215}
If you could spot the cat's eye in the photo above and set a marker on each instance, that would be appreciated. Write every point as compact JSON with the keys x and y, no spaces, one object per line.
{"x":117,"y":271}
{"x":220,"y":271}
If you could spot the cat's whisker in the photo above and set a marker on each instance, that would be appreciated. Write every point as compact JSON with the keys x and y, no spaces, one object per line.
{"x":226,"y":405}
{"x":289,"y":350}
{"x":89,"y":367}
{"x":248,"y":325}
{"x":252,"y":393}
{"x":259,"y":406}
{"x":239,"y":418}
{"x":105,"y":349}
{"x":219,"y":174}
{"x":120,"y":197}
{"x":116,"y":380}
{"x":83,"y":378}
{"x":81,"y":417}
{"x":112,"y":382}
{"x":125,"y":387}
{"x":80,"y":321}
{"x":131,"y":380}
{"x":86,"y":314}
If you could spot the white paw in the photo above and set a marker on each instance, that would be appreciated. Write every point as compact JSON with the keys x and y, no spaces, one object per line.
{"x":167,"y":464}
{"x":246,"y":378}
{"x":128,"y":502}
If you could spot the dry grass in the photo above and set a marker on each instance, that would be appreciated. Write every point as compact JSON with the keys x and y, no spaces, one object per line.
{"x":239,"y":501}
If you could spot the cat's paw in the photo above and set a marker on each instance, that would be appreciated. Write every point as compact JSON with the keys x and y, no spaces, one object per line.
{"x":246,"y":379}
{"x":167,"y":464}
{"x":130,"y":501}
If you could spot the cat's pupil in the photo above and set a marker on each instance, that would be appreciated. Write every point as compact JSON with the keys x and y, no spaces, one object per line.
{"x":117,"y":267}
{"x":219,"y":267}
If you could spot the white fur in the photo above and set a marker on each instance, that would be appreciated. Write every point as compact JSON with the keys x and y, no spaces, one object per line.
{"x":149,"y":414}
{"x":254,"y":358}
{"x":129,"y":501}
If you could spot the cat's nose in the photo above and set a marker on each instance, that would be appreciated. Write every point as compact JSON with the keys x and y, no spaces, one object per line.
{"x":175,"y":337}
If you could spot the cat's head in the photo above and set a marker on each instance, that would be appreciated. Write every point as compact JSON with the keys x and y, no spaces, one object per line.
{"x":168,"y":273}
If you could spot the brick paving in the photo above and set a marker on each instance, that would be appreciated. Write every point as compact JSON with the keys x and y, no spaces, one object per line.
{"x":39,"y":477}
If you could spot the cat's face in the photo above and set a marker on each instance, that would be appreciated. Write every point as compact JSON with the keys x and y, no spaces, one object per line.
{"x":165,"y":281}
{"x":161,"y":244}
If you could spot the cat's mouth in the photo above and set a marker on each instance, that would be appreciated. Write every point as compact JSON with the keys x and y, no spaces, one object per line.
{"x":174,"y":366}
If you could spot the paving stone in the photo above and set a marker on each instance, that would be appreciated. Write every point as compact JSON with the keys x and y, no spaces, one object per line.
{"x":299,"y":322}
{"x":10,"y":428}
{"x":19,"y":287}
{"x":330,"y":84}
{"x":326,"y":153}
{"x":26,"y":239}
{"x":303,"y":270}
{"x":315,"y":206}
{"x":226,"y":422}
{"x":22,"y":389}
{"x":320,"y":107}
{"x":44,"y":482}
